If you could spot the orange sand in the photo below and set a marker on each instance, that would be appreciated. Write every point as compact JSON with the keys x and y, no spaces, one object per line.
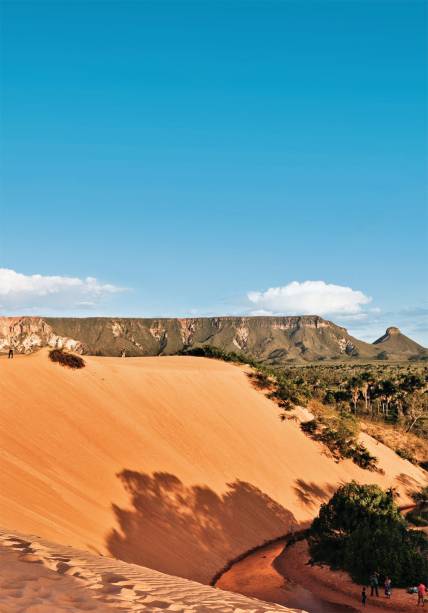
{"x":337,"y":586}
{"x":42,"y":577}
{"x":272,"y":572}
{"x":211,"y":471}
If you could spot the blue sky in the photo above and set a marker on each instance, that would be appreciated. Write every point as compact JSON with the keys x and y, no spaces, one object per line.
{"x":192,"y":153}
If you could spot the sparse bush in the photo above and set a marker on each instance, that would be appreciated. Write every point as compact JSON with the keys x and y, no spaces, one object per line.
{"x":309,"y":427}
{"x":406,"y":455}
{"x":209,"y":351}
{"x":362,"y":457}
{"x":421,"y":496}
{"x":340,"y":435}
{"x":261,"y":380}
{"x":66,"y":359}
{"x":418,"y":516}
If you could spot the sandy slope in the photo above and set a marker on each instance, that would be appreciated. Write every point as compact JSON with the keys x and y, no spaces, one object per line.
{"x":337,"y":586}
{"x":41,"y":577}
{"x":281,"y":574}
{"x":206,"y":468}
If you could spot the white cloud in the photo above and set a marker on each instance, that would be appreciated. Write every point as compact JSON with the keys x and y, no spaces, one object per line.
{"x":30,"y":292}
{"x":310,"y":298}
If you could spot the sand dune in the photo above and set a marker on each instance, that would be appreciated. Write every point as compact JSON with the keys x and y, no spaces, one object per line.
{"x":174,"y":463}
{"x":41,"y":577}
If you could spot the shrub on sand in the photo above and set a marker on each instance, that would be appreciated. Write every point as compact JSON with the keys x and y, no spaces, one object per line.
{"x":66,"y":359}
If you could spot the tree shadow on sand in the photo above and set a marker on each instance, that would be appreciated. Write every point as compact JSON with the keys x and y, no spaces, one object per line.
{"x":311,"y":494}
{"x":191,"y":531}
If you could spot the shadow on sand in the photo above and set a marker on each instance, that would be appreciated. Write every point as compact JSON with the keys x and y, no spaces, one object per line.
{"x":311,"y":494}
{"x":191,"y":531}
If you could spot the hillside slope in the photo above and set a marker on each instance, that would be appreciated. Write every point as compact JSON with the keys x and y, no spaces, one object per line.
{"x":175,"y":463}
{"x":394,"y":342}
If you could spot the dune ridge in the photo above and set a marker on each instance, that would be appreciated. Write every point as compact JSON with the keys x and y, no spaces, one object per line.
{"x":174,"y":463}
{"x":42,"y":577}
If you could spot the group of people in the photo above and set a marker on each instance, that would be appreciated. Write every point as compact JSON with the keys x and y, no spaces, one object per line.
{"x":374,"y":589}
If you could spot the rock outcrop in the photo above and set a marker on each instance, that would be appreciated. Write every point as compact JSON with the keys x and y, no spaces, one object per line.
{"x":26,"y":334}
{"x":394,"y":343}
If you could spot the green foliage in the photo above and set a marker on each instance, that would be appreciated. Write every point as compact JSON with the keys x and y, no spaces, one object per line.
{"x":361,"y":455}
{"x":361,"y":530}
{"x":310,"y":427}
{"x":286,"y":393}
{"x":340,"y":434}
{"x":421,"y":496}
{"x":209,"y":351}
{"x":396,"y":394}
{"x":418,"y":516}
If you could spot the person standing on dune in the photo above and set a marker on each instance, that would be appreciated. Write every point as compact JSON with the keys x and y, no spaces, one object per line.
{"x":10,"y":354}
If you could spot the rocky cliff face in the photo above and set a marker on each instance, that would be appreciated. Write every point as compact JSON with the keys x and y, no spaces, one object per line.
{"x":272,"y":339}
{"x":26,"y":334}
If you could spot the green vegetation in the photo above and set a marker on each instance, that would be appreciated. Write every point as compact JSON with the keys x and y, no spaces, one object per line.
{"x":208,"y":351}
{"x":361,"y":530}
{"x":389,"y":401}
{"x":340,"y":434}
{"x":419,"y":515}
{"x":392,"y":394}
{"x":421,"y":496}
{"x":66,"y":359}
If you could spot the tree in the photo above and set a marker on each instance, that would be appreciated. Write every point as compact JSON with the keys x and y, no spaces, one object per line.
{"x":365,"y":392}
{"x":355,"y":395}
{"x":361,"y":530}
{"x":417,"y":410}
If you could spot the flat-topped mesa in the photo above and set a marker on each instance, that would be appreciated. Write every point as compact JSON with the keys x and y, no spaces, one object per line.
{"x":276,"y":339}
{"x":272,"y":339}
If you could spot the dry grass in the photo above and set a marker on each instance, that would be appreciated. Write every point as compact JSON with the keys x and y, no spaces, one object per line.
{"x":66,"y":359}
{"x":397,"y":439}
{"x":406,"y":444}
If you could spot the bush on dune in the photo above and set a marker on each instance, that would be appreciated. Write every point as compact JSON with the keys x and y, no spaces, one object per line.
{"x":209,"y":351}
{"x":66,"y":359}
{"x":361,"y":530}
{"x":340,"y":434}
{"x":421,"y":496}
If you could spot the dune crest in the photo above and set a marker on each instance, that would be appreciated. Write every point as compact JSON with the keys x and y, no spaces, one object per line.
{"x":43,"y":577}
